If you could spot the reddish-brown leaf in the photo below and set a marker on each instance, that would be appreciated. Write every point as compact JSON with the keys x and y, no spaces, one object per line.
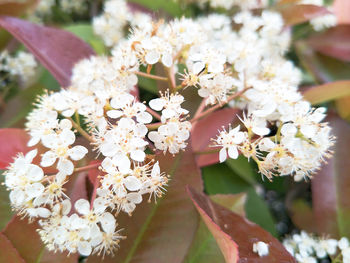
{"x":12,"y":8}
{"x":335,"y":42}
{"x":162,"y":232}
{"x":294,"y":14}
{"x":236,"y":235}
{"x":8,"y":252}
{"x":206,"y":129}
{"x":330,"y":186}
{"x":26,"y":241}
{"x":56,"y":49}
{"x":12,"y":141}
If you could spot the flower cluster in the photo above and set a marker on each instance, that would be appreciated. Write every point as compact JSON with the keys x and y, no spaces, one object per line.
{"x":228,"y":4}
{"x":237,"y":61}
{"x":115,"y":20}
{"x":307,"y":248}
{"x":22,"y":65}
{"x":322,"y":22}
{"x":45,"y":8}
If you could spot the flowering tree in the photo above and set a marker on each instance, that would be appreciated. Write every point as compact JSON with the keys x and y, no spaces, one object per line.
{"x":109,"y":165}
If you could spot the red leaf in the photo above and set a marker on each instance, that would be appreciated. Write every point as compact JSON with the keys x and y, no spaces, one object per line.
{"x":330,"y":186}
{"x":342,"y":10}
{"x":12,"y":141}
{"x":296,"y":14}
{"x":16,"y":8}
{"x":27,"y":242}
{"x":9,"y":253}
{"x":205,"y":130}
{"x":94,"y":180}
{"x":161,"y":232}
{"x":231,"y":230}
{"x":56,"y":49}
{"x":335,"y":42}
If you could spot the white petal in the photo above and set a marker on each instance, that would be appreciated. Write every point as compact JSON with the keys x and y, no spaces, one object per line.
{"x":67,"y":137}
{"x":167,"y":60}
{"x":34,"y":190}
{"x":152,"y":57}
{"x":43,"y":212}
{"x":107,"y":221}
{"x":232,"y":152}
{"x":35,"y":173}
{"x":144,"y":117}
{"x":114,"y":114}
{"x":84,"y":248}
{"x":132,"y":183}
{"x":123,"y":163}
{"x":135,"y":198}
{"x":82,"y":206}
{"x":48,"y":159}
{"x":155,"y":170}
{"x":65,"y":166}
{"x":222,"y":155}
{"x":77,"y":152}
{"x":157,"y":104}
{"x":31,"y":155}
{"x":138,"y":155}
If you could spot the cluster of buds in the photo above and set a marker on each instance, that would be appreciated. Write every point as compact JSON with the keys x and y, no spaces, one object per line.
{"x":237,"y":61}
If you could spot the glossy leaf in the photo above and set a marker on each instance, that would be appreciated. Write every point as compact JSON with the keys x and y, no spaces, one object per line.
{"x":16,"y":8}
{"x":28,"y":244}
{"x":204,"y":248}
{"x":296,"y":14}
{"x":335,"y":42}
{"x":56,"y":49}
{"x":236,"y":235}
{"x":9,"y":253}
{"x":327,"y":92}
{"x":162,"y":232}
{"x":206,"y":129}
{"x":243,"y":167}
{"x":343,"y":107}
{"x":219,"y":179}
{"x":330,"y":186}
{"x":12,"y":141}
{"x":5,"y":208}
{"x":13,"y":115}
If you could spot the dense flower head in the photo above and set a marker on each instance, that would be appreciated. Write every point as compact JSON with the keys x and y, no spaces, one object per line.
{"x":309,"y":248}
{"x":239,"y":61}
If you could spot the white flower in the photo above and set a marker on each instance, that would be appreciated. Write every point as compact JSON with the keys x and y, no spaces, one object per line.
{"x":261,"y":248}
{"x":59,"y":145}
{"x":171,"y":136}
{"x":229,"y":141}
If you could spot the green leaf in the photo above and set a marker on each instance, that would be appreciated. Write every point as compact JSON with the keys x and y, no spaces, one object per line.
{"x":86,"y":33}
{"x":327,"y":92}
{"x":219,"y":179}
{"x":5,"y":208}
{"x":242,"y":167}
{"x":171,"y":7}
{"x":14,"y":115}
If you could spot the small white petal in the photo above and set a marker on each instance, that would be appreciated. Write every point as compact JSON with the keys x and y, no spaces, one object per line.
{"x":157,"y":104}
{"x":65,"y":166}
{"x":84,"y":248}
{"x":82,"y":206}
{"x":233,"y":152}
{"x":152,"y":57}
{"x":35,"y":173}
{"x":48,"y":159}
{"x":132,"y":183}
{"x":138,"y":155}
{"x":222,"y":155}
{"x":77,"y":152}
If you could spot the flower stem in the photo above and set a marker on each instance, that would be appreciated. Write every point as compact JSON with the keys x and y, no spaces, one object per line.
{"x":153,"y":113}
{"x":87,"y":167}
{"x":81,"y":130}
{"x":150,"y":76}
{"x":153,"y":126}
{"x":218,"y":106}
